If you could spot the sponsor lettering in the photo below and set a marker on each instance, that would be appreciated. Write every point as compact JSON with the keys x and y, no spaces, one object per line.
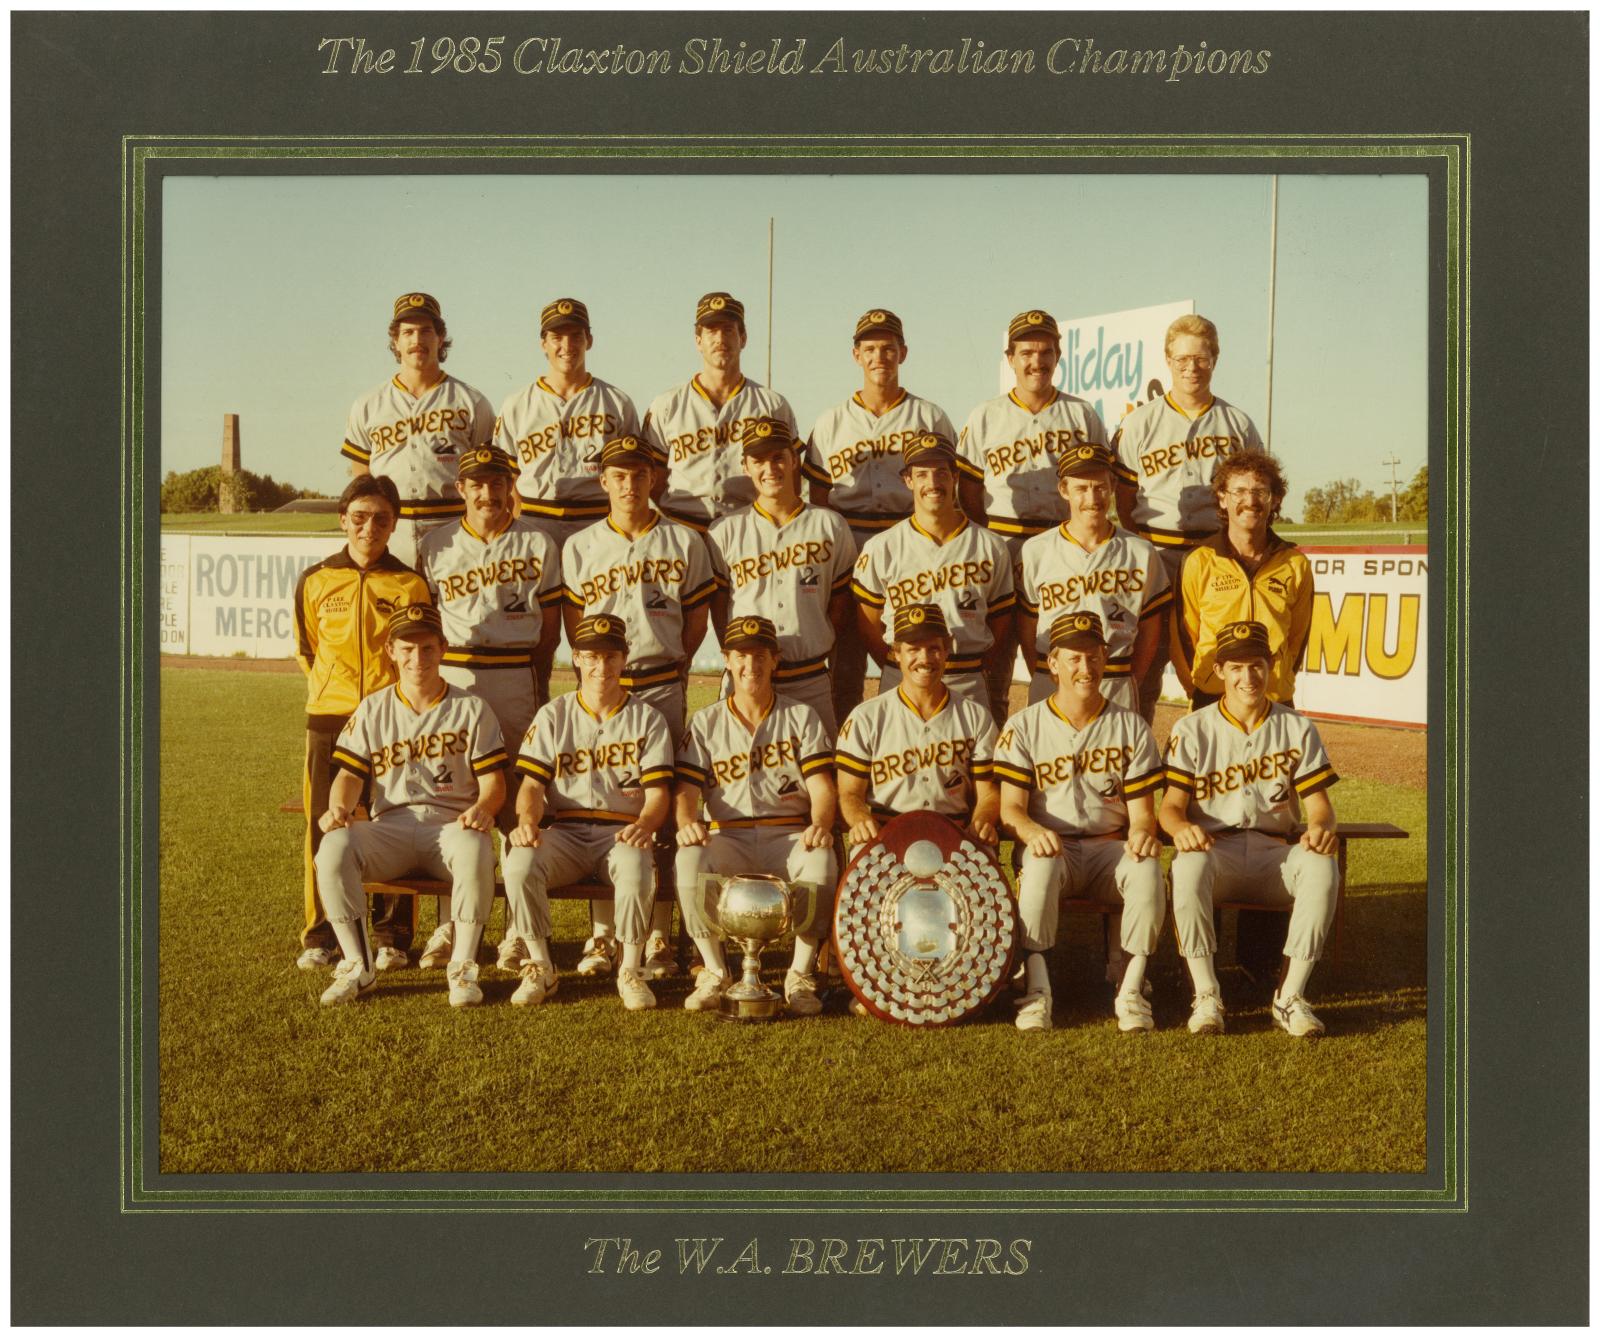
{"x":1359,"y":632}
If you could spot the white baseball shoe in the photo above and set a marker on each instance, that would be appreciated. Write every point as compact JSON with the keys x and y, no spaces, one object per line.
{"x":707,"y":993}
{"x":314,"y":958}
{"x":437,"y":953}
{"x":539,"y":981}
{"x":1294,"y":1015}
{"x":1114,"y":974}
{"x":391,"y":958}
{"x":636,"y":995}
{"x":513,"y":952}
{"x":660,"y":960}
{"x":599,"y":957}
{"x":349,"y":984}
{"x":1033,"y":1012}
{"x":1133,"y":1012}
{"x":463,"y":978}
{"x":800,"y":994}
{"x":1206,"y":1018}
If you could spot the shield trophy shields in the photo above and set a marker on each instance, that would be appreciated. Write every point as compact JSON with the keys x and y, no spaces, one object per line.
{"x":924,"y":926}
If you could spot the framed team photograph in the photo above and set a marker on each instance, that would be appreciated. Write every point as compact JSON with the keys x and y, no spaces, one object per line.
{"x":948,"y":639}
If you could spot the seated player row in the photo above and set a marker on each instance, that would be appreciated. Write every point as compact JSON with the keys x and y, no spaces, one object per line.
{"x":1076,"y":776}
{"x":496,"y":578}
{"x":416,"y":426}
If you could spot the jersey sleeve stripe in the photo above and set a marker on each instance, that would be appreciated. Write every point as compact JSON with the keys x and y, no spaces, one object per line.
{"x":354,"y":452}
{"x":971,"y":470}
{"x":983,"y":770}
{"x":1142,"y":784}
{"x":693,"y":774}
{"x":1004,"y":604}
{"x":1320,"y":778}
{"x":815,"y":474}
{"x":1012,"y":775}
{"x":700,"y":595}
{"x":842,"y":583}
{"x":1156,"y":605}
{"x":1122,"y":472}
{"x":572,"y":596}
{"x":660,"y":775}
{"x":816,"y":765}
{"x":865,"y":595}
{"x":855,"y":765}
{"x":351,"y":762}
{"x":551,"y":597}
{"x":1027,"y":605}
{"x":495,"y":761}
{"x":1180,"y":779}
{"x":539,"y":770}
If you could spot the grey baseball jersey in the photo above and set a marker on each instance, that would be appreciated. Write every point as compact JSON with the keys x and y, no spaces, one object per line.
{"x":557,"y":443}
{"x":1170,"y":457}
{"x":968,"y":576}
{"x":594,"y":769}
{"x":1079,"y":781}
{"x":492,"y":593}
{"x":856,"y":452}
{"x":650,"y":582}
{"x":1121,"y":580}
{"x":917,"y":765}
{"x":702,"y":445}
{"x":751,"y":779}
{"x":1246,"y":781}
{"x":1013,"y":453}
{"x":421,"y":758}
{"x":415,"y":440}
{"x":788,"y":573}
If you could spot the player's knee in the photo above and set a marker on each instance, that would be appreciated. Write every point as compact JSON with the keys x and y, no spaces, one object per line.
{"x":331,"y":853}
{"x":1190,"y":874}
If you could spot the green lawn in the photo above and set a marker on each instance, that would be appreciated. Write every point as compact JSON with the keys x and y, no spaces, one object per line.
{"x":256,"y":1077}
{"x":265,"y":522}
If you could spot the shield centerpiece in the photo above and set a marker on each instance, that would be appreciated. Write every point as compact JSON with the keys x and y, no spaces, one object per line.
{"x":924,"y":925}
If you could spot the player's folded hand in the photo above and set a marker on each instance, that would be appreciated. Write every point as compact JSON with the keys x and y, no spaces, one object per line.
{"x":816,"y":837}
{"x":1045,"y":845}
{"x":1142,"y":844}
{"x":475,"y":818}
{"x":984,"y":831}
{"x":1320,"y":839}
{"x":525,"y":835}
{"x":692,"y":833}
{"x":1191,"y":839}
{"x":333,"y":819}
{"x":864,"y":831}
{"x":635,"y":835}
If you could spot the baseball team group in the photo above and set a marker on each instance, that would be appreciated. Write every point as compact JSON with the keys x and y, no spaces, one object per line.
{"x":474,"y":540}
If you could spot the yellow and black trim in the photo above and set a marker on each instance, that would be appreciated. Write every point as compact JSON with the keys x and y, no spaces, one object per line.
{"x":432,"y":508}
{"x":1141,"y":785}
{"x":1171,"y":538}
{"x":812,"y":471}
{"x":865,"y":595}
{"x":1121,"y":667}
{"x":1011,"y":394}
{"x":565,"y":510}
{"x":1178,"y":778}
{"x":1320,"y":778}
{"x":539,"y":770}
{"x":633,"y":679}
{"x":599,"y":815}
{"x":693,"y":774}
{"x":855,"y":765}
{"x":1162,"y":600}
{"x":551,"y":597}
{"x":983,"y":770}
{"x":1004,"y":604}
{"x":659,"y":775}
{"x":751,"y":823}
{"x":694,"y":384}
{"x":700,"y":594}
{"x":1122,"y":473}
{"x":344,"y":758}
{"x":817,"y":762}
{"x":551,"y":390}
{"x":351,"y":451}
{"x":1239,"y":724}
{"x":963,"y":664}
{"x":699,"y":524}
{"x":767,"y":515}
{"x":966,"y":466}
{"x":1011,"y":526}
{"x":1011,"y":775}
{"x":956,"y":533}
{"x":841,"y":584}
{"x":797,"y":670}
{"x":470,"y":656}
{"x":495,"y":761}
{"x":944,"y":703}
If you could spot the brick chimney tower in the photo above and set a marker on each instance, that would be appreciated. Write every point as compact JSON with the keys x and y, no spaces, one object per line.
{"x":232,"y":460}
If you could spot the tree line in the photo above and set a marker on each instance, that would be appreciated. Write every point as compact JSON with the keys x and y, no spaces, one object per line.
{"x":1345,"y":501}
{"x":204,"y":489}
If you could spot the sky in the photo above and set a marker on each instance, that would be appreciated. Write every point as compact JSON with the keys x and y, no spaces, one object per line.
{"x":277,"y":291}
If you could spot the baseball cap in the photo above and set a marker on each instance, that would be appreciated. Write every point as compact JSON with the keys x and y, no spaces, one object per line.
{"x":880,"y":321}
{"x":1076,"y":461}
{"x":919,"y":622}
{"x":600,"y":631}
{"x":486,"y":460}
{"x":563,"y":311}
{"x":1027,"y":324}
{"x":748,"y":633}
{"x":1243,"y":640}
{"x":413,"y":620}
{"x":715,"y":306}
{"x":764,"y":435}
{"x":417,"y":306}
{"x":624,"y":452}
{"x":1077,"y":631}
{"x":929,"y":448}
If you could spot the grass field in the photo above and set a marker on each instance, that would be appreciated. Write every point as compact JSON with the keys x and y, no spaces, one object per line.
{"x":255,"y":1077}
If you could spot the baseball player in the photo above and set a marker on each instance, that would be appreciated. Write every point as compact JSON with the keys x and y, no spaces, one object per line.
{"x":656,"y":578}
{"x":1166,"y":451}
{"x":763,"y":765}
{"x":433,"y":757}
{"x":781,"y":559}
{"x":1090,"y":563}
{"x":1009,"y":449}
{"x":696,"y":428}
{"x":938,"y":556}
{"x":1234,"y":769}
{"x":496,"y":580}
{"x":414,"y":426}
{"x":341,"y":608}
{"x":597,"y":767}
{"x":1244,"y":571}
{"x":919,"y":747}
{"x":1078,"y":775}
{"x":555,"y":427}
{"x":852,"y":459}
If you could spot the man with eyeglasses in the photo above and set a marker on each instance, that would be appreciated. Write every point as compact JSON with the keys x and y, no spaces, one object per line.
{"x":342,"y":607}
{"x":1167,"y":451}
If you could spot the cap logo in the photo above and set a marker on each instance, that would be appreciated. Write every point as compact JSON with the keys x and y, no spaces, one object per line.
{"x":878,"y":315}
{"x":564,"y":308}
{"x":413,"y":299}
{"x":751,"y":627}
{"x":602,"y":625}
{"x":763,"y":429}
{"x":1081,"y":622}
{"x":717,"y":303}
{"x":1241,"y":631}
{"x":915,"y":616}
{"x":1036,"y":317}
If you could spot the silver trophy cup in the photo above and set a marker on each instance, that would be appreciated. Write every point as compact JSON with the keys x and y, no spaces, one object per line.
{"x":753,"y":911}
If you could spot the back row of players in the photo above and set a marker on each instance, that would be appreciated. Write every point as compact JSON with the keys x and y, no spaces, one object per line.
{"x":589,"y":537}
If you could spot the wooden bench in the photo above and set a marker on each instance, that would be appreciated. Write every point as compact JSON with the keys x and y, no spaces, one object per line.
{"x":1348,"y":831}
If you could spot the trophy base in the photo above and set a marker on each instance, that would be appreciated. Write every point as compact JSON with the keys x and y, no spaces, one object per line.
{"x":766,"y":1008}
